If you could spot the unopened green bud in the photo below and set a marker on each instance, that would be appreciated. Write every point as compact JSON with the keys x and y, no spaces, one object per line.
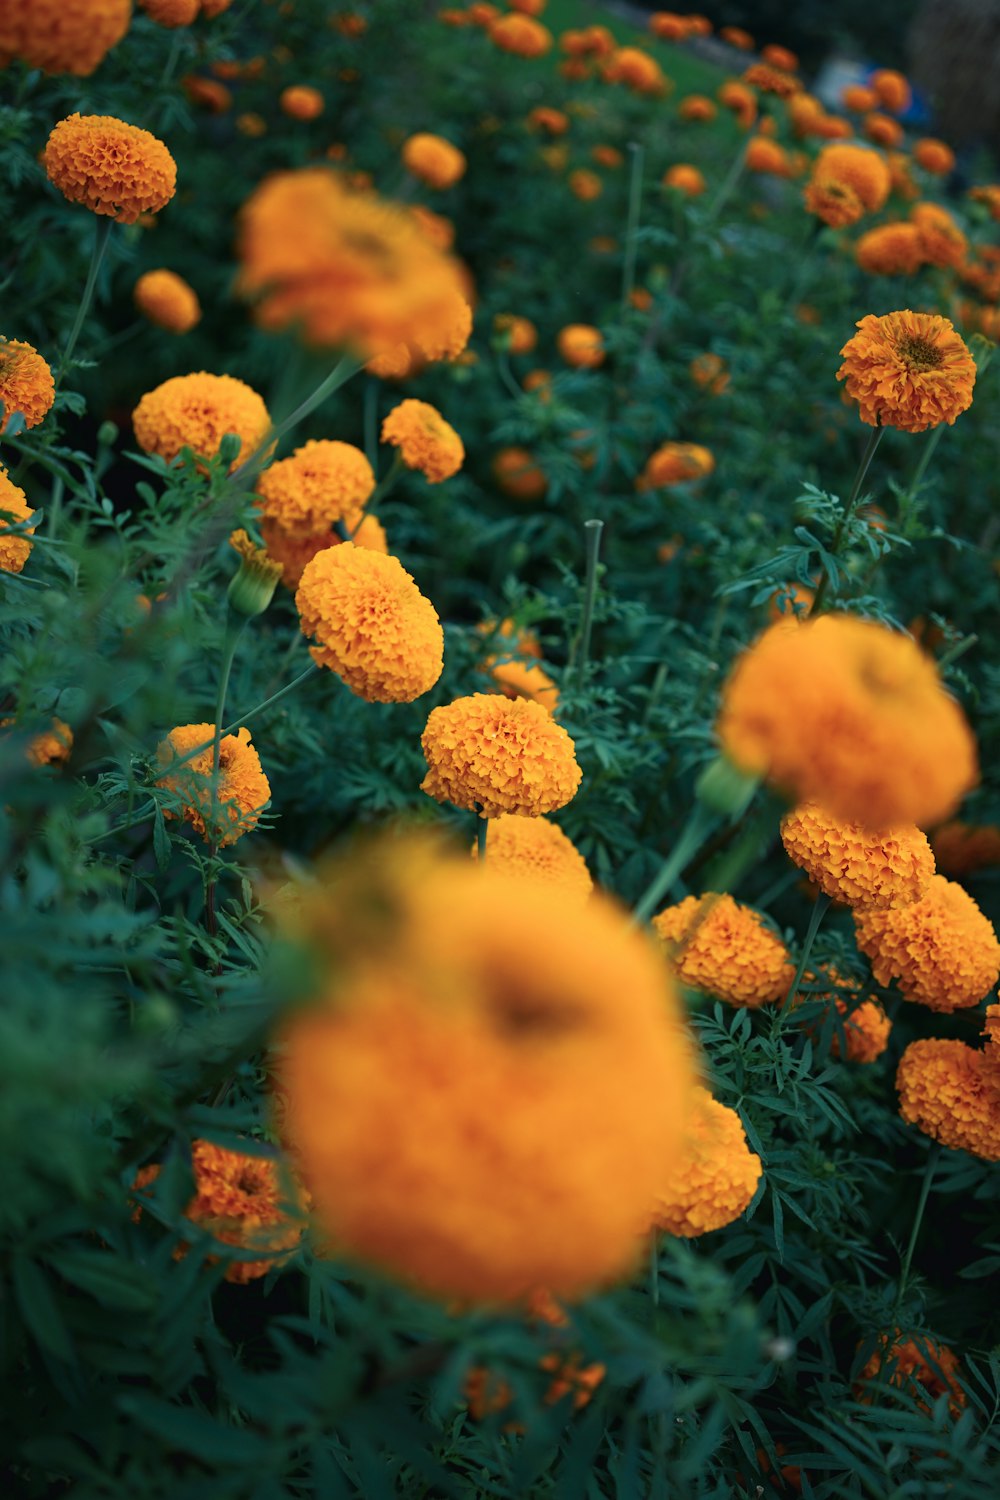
{"x":725,"y":788}
{"x":252,"y":587}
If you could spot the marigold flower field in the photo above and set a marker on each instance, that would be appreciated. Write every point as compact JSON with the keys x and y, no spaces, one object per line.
{"x":500,"y":809}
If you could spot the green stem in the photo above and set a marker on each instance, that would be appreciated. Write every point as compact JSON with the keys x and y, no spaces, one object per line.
{"x":874,"y":439}
{"x":729,"y":183}
{"x":654,"y":1267}
{"x":281,"y":693}
{"x":55,"y":505}
{"x":904,"y":1272}
{"x":371,"y":420}
{"x":701,"y":822}
{"x":235,"y":625}
{"x":580,"y":654}
{"x":200,"y":749}
{"x":482,"y":830}
{"x":102,"y":234}
{"x":818,"y":913}
{"x":959,"y":649}
{"x":338,"y":376}
{"x":914,"y":488}
{"x":632,"y":229}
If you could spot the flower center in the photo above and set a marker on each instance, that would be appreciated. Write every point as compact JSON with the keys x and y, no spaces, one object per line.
{"x":919,"y":353}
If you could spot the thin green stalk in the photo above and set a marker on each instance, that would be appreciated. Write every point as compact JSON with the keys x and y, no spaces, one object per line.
{"x":918,"y":1218}
{"x":338,"y":376}
{"x":701,"y":822}
{"x":102,"y":234}
{"x":55,"y":505}
{"x":632,"y":227}
{"x":959,"y":649}
{"x":235,"y":625}
{"x":930,"y":447}
{"x":200,"y":749}
{"x":818,"y":913}
{"x":729,"y":182}
{"x":371,"y":419}
{"x":654,"y":1268}
{"x":580,"y":654}
{"x":873,"y":441}
{"x":482,"y":830}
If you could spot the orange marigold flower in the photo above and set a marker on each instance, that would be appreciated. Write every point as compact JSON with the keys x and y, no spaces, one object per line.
{"x":723,"y":948}
{"x":518,"y":474}
{"x":667,"y":26}
{"x":207,"y":93}
{"x":891,"y":250}
{"x":518,"y":679}
{"x":941,"y":949}
{"x":637,"y":71}
{"x":514,"y":1102}
{"x":373,"y":626}
{"x":951,"y":1092}
{"x":493,"y":754}
{"x":301,"y":102}
{"x":780,"y":57}
{"x":941,"y":240}
{"x":962,"y":848}
{"x":833,"y":202}
{"x":740,"y":99}
{"x":858,"y":98}
{"x":685,"y":179}
{"x":26,"y":383}
{"x":735,"y":36}
{"x":539,"y":850}
{"x":848,"y":713}
{"x":349,"y":268}
{"x":14,"y":550}
{"x":251,"y":124}
{"x":581,"y":346}
{"x":553,"y":121}
{"x":292,"y":549}
{"x":242,"y":792}
{"x":908,"y":370}
{"x":713,"y":1177}
{"x":522,"y":35}
{"x":861,"y":169}
{"x":697,"y":107}
{"x":425,"y":441}
{"x":243,"y":1201}
{"x":866,"y":1027}
{"x":771,"y":80}
{"x":698,"y":25}
{"x":53,"y":746}
{"x":708,"y":371}
{"x":915,"y":1362}
{"x":934,"y":156}
{"x":433,"y":160}
{"x":171,"y":13}
{"x":167,"y":300}
{"x":675,"y":463}
{"x":585,"y":185}
{"x":765,"y":155}
{"x":854,"y":864}
{"x":519,"y":335}
{"x":110,"y":167}
{"x":196,"y":411}
{"x":324,"y":481}
{"x":606,"y":156}
{"x":62,"y":36}
{"x":882,"y":130}
{"x":892,"y":89}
